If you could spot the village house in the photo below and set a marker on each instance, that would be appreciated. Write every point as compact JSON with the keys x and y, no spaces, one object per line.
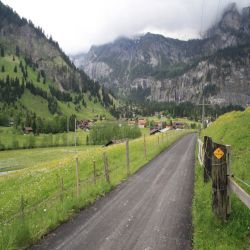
{"x":142,"y":123}
{"x":159,"y":125}
{"x":84,"y":124}
{"x":27,"y":130}
{"x":179,"y":125}
{"x":154,"y":131}
{"x":132,"y":123}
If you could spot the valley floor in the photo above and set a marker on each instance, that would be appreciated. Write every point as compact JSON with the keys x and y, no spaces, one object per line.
{"x":152,"y":210}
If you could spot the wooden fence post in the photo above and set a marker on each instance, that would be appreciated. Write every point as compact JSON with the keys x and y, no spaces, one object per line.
{"x":77,"y":178}
{"x":161,"y":137}
{"x":62,"y":189}
{"x":106,"y":168}
{"x":158,"y":139}
{"x":127,"y":157}
{"x":219,"y":181}
{"x":94,"y":171}
{"x":207,"y":161}
{"x":229,"y":208}
{"x":145,"y":147}
{"x":22,"y":205}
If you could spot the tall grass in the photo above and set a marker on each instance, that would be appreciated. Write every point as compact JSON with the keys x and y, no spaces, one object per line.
{"x":209,"y":233}
{"x":39,"y":189}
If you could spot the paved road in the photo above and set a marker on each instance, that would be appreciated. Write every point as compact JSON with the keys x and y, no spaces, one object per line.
{"x":151,"y":211}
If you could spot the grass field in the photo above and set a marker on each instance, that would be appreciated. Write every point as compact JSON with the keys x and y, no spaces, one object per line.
{"x":210,"y":233}
{"x":13,"y":139}
{"x":33,"y":201}
{"x":19,"y":159}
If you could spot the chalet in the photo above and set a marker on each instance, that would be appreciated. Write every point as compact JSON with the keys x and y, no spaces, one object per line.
{"x":159,"y":125}
{"x":84,"y":124}
{"x":179,"y":125}
{"x":27,"y":130}
{"x":112,"y":142}
{"x":142,"y":123}
{"x":132,"y":123}
{"x":154,"y":131}
{"x":167,"y":128}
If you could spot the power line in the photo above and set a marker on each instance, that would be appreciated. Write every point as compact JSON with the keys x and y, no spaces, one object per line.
{"x":202,"y":16}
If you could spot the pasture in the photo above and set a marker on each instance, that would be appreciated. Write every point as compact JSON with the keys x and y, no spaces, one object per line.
{"x":37,"y":198}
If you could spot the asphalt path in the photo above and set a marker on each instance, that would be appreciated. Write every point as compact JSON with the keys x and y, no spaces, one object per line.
{"x":150,"y":211}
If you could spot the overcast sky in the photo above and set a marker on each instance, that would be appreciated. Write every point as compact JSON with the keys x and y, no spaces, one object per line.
{"x":78,"y":24}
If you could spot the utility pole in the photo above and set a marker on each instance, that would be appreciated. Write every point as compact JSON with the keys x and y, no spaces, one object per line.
{"x":67,"y":131}
{"x":203,"y":113}
{"x":75,"y":133}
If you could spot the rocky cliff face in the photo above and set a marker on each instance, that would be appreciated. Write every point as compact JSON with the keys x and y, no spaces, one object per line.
{"x":177,"y":70}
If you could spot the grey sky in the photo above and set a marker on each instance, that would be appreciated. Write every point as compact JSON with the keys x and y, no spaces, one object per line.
{"x":78,"y":24}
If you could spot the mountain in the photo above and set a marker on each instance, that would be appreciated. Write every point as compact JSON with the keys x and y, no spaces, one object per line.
{"x":38,"y":79}
{"x":166,"y":69}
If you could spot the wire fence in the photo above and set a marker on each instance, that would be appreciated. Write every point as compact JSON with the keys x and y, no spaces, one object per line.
{"x":78,"y":189}
{"x":220,"y":173}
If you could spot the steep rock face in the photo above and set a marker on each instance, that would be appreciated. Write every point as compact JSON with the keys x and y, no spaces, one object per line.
{"x":222,"y":78}
{"x":177,"y":70}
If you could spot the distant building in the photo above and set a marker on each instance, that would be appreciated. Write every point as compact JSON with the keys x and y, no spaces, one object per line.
{"x":142,"y":123}
{"x":159,"y":125}
{"x":154,"y":131}
{"x":84,"y":124}
{"x":179,"y":125}
{"x":166,"y":129}
{"x":112,"y":142}
{"x":132,"y":123}
{"x":28,"y":130}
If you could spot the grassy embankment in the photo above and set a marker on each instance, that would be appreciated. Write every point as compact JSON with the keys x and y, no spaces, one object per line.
{"x":210,"y":233}
{"x":46,"y":206}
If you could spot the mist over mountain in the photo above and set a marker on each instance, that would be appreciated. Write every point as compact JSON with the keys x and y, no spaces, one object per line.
{"x":167,"y":69}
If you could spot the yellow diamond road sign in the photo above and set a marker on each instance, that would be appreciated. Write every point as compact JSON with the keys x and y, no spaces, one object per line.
{"x":218,"y":153}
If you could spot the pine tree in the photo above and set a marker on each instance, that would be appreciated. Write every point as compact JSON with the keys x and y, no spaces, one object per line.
{"x":17,"y":51}
{"x":2,"y":52}
{"x":15,"y":69}
{"x":38,"y":77}
{"x":3,"y":68}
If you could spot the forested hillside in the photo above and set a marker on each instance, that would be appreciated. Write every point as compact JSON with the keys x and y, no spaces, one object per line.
{"x":40,"y":87}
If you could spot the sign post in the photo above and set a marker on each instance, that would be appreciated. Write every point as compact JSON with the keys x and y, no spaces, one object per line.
{"x":220,"y":194}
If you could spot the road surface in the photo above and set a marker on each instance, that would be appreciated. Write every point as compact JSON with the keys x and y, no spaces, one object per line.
{"x":150,"y":211}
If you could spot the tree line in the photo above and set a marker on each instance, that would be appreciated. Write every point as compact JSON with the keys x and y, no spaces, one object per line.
{"x":102,"y":133}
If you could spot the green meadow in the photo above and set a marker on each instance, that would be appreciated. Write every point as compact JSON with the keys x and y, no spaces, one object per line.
{"x":11,"y":138}
{"x":210,"y":233}
{"x":39,"y":197}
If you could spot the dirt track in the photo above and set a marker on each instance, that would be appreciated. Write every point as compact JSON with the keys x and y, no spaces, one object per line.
{"x":150,"y":211}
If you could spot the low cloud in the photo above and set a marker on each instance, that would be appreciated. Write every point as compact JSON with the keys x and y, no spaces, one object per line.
{"x":78,"y":24}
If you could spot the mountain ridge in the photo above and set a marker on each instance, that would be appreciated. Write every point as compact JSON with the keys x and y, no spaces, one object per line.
{"x":153,"y":61}
{"x":39,"y":83}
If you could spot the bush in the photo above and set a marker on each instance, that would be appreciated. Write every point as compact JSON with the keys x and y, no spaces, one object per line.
{"x":193,"y":126}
